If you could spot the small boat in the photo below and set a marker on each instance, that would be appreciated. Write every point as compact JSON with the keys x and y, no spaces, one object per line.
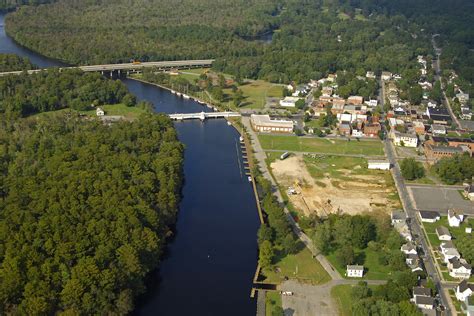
{"x":186,"y":96}
{"x":250,"y":178}
{"x":241,"y":139}
{"x":173,"y":92}
{"x":229,"y":123}
{"x":178,"y":94}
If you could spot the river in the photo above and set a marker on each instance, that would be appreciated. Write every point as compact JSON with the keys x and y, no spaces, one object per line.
{"x":209,"y":265}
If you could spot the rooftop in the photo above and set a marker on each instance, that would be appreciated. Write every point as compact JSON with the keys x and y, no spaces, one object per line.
{"x":419,"y":290}
{"x":429,"y":214}
{"x":355,"y":267}
{"x":265,"y":120}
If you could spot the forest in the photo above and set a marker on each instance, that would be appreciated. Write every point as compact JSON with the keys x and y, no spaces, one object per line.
{"x":85,"y":210}
{"x":311,"y":38}
{"x":12,"y":62}
{"x":50,"y":90}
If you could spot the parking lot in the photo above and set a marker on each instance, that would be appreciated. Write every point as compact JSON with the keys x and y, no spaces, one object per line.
{"x":433,"y":198}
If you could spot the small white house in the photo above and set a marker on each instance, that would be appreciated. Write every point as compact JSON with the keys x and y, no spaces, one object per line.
{"x":99,"y":112}
{"x":355,"y":271}
{"x":464,"y":290}
{"x":405,"y":139}
{"x":468,"y":230}
{"x":454,"y":219}
{"x":289,"y":102}
{"x":459,"y":268}
{"x":398,"y":216}
{"x":425,"y":302}
{"x":443,"y":233}
{"x":429,"y":216}
{"x":357,"y":133}
{"x":379,"y":164}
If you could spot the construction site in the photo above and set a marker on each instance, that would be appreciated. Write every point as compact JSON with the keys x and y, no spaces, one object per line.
{"x":323,"y":184}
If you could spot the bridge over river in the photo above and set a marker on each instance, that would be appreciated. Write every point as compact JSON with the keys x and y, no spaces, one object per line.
{"x":132,"y":67}
{"x":203,"y":115}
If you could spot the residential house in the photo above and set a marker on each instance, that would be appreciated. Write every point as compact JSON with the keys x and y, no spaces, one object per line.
{"x":355,"y":271}
{"x":466,"y":114}
{"x":300,"y":90}
{"x":421,"y":291}
{"x":345,"y":129}
{"x":443,"y":233}
{"x":413,"y":262}
{"x":379,"y":164}
{"x":408,"y":248}
{"x":419,"y":127}
{"x":403,"y":230}
{"x":289,"y":102}
{"x":429,"y":216}
{"x":462,"y":97}
{"x":357,"y":133}
{"x":386,"y":75}
{"x":425,"y":85}
{"x":263,"y":123}
{"x":99,"y":112}
{"x":327,"y":91}
{"x":449,"y":251}
{"x":372,"y":103}
{"x":370,"y":75}
{"x":356,"y":100}
{"x":454,"y":218}
{"x":372,"y":129}
{"x":469,"y":192}
{"x":464,"y":290}
{"x":459,"y":268}
{"x":337,"y":100}
{"x":398,"y":216}
{"x":438,"y":130}
{"x":425,"y":302}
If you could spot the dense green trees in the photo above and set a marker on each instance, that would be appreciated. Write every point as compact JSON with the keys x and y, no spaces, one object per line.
{"x":11,"y":62}
{"x":84,"y":211}
{"x":455,"y":169}
{"x":313,"y":37}
{"x":53,"y":90}
{"x":412,"y":169}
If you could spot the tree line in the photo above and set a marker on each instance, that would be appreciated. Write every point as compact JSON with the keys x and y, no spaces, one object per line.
{"x":51,"y":90}
{"x":12,"y":62}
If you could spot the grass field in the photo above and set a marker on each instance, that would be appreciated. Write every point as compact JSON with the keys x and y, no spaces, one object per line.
{"x":256,"y":93}
{"x":110,"y":109}
{"x":342,"y":296}
{"x":321,"y":145}
{"x":370,"y":259}
{"x":272,"y":301}
{"x":301,"y":266}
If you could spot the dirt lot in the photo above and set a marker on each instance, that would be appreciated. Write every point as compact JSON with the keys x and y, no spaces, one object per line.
{"x":328,"y":184}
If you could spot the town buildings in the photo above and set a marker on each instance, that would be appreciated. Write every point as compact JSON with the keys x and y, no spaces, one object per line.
{"x":263,"y":123}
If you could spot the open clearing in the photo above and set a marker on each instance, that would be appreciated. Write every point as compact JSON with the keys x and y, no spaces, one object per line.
{"x":321,"y":145}
{"x":330,"y":184}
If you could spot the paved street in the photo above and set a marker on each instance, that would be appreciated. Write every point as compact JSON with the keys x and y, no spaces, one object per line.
{"x":411,"y":215}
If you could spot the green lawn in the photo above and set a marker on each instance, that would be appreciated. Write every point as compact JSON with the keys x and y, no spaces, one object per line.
{"x":256,"y":93}
{"x":370,"y":259}
{"x":321,"y":145}
{"x":455,"y":231}
{"x":110,"y":109}
{"x":301,"y":266}
{"x":342,"y":296}
{"x":192,"y":74}
{"x":272,"y":300}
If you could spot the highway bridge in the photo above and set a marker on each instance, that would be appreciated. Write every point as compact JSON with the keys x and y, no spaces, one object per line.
{"x":132,"y":67}
{"x":203,"y":115}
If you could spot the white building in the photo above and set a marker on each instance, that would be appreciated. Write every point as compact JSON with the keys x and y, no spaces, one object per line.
{"x":378,"y":164}
{"x":398,"y":216}
{"x":454,"y":219}
{"x":355,"y":271}
{"x":357,"y":133}
{"x":372,"y":103}
{"x":425,"y":302}
{"x":459,"y":268}
{"x":429,"y":216}
{"x":438,"y":129}
{"x":386,"y":75}
{"x":443,"y":233}
{"x":263,"y":123}
{"x":370,"y":75}
{"x":464,"y":290}
{"x":404,"y":139}
{"x":99,"y":112}
{"x":289,"y":102}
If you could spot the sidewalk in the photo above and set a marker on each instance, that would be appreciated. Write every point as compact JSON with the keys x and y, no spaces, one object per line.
{"x":260,"y":155}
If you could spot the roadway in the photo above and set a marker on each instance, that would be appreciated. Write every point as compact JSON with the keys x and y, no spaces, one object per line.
{"x":411,"y":212}
{"x":130,"y":66}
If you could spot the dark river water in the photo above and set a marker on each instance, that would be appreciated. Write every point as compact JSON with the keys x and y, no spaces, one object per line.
{"x":209,"y":265}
